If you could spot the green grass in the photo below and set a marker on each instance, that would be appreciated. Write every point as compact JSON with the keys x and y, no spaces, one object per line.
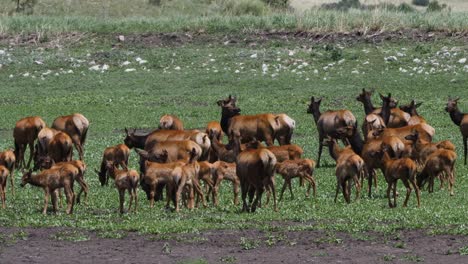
{"x":188,"y":80}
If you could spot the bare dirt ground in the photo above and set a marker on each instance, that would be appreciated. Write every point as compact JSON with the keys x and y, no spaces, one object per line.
{"x":60,"y":245}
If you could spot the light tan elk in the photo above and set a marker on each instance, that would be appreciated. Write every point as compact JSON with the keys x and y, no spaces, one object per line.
{"x":460,"y":119}
{"x":125,"y":180}
{"x":8,"y":159}
{"x":170,"y":122}
{"x":225,"y":171}
{"x":302,"y":168}
{"x":25,"y":133}
{"x":76,"y":126}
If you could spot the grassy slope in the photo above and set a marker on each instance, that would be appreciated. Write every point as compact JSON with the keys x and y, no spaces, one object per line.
{"x":116,"y":99}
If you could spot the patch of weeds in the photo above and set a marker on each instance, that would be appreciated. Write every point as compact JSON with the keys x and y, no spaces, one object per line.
{"x":272,"y":239}
{"x":329,"y":238}
{"x":193,"y":261}
{"x":334,"y":52}
{"x":463,"y":251}
{"x":228,"y":259}
{"x":166,"y":248}
{"x":400,"y":244}
{"x":292,"y":243}
{"x":248,"y":244}
{"x":73,"y":236}
{"x":413,"y":258}
{"x":112,"y":234}
{"x":191,"y":239}
{"x":388,"y":257}
{"x":20,"y":235}
{"x":320,"y":254}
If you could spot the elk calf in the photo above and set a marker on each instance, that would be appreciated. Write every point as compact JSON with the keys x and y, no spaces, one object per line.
{"x":302,"y":168}
{"x":125,"y":180}
{"x":8,"y":159}
{"x":225,"y":171}
{"x":440,"y":162}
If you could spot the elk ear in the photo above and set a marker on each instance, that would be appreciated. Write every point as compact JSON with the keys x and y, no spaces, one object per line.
{"x":418,"y":105}
{"x":381,"y":96}
{"x":277,"y":121}
{"x":205,"y":137}
{"x":126,"y":131}
{"x":389,"y":95}
{"x":456,"y":99}
{"x":312,"y":99}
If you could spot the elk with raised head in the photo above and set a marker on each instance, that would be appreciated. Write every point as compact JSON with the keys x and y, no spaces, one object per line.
{"x":460,"y":119}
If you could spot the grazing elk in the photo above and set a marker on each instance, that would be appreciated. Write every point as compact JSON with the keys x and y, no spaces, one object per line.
{"x":398,"y":118}
{"x":170,"y":122}
{"x":441,"y":161}
{"x":25,"y":133}
{"x":3,"y":181}
{"x":52,"y":179}
{"x":256,"y":170}
{"x":302,"y":168}
{"x":460,"y":119}
{"x":403,"y":169}
{"x":76,"y":126}
{"x":245,"y":127}
{"x":117,"y":155}
{"x":328,"y":123}
{"x":8,"y":159}
{"x":43,"y":138}
{"x":125,"y":180}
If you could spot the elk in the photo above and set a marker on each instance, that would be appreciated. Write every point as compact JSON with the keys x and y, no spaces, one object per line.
{"x":256,"y":170}
{"x":61,"y":147}
{"x":411,"y":109}
{"x":186,"y":176}
{"x":125,"y":180}
{"x":282,"y":153}
{"x":3,"y":181}
{"x":158,"y":136}
{"x":25,"y":133}
{"x":245,"y":127}
{"x":134,"y":140}
{"x":206,"y":175}
{"x":403,"y":169}
{"x":81,"y":166}
{"x":286,"y":128}
{"x":225,"y":171}
{"x":423,"y":149}
{"x":50,"y":180}
{"x":175,"y":150}
{"x":76,"y":126}
{"x":8,"y":159}
{"x":222,"y":152}
{"x":440,"y":161}
{"x":214,"y":130}
{"x":302,"y":168}
{"x":398,"y":118}
{"x":328,"y":123}
{"x":170,"y":122}
{"x":43,"y":138}
{"x":117,"y":155}
{"x":460,"y":119}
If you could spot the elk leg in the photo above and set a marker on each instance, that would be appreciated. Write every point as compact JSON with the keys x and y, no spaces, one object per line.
{"x":135,"y":197}
{"x":415,"y":186}
{"x":244,"y":190}
{"x":358,"y":187}
{"x":251,"y":195}
{"x":130,"y":193}
{"x":46,"y":201}
{"x":345,"y":191}
{"x":319,"y":151}
{"x":235,"y":187}
{"x":389,"y":188}
{"x":84,"y":188}
{"x":199,"y":192}
{"x":282,"y":190}
{"x":290,"y":187}
{"x":394,"y":193}
{"x":179,"y":192}
{"x":465,"y":150}
{"x":12,"y":180}
{"x":258,"y":198}
{"x":70,"y":199}
{"x":271,"y":183}
{"x":2,"y":193}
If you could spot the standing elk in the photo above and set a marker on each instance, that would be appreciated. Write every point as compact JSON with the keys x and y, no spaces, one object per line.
{"x":328,"y":123}
{"x":170,"y":122}
{"x":8,"y":159}
{"x":134,"y":140}
{"x":125,"y":180}
{"x":3,"y":181}
{"x":302,"y":168}
{"x":25,"y":133}
{"x":225,"y":171}
{"x":439,"y":162}
{"x":460,"y":119}
{"x":76,"y":126}
{"x":117,"y":155}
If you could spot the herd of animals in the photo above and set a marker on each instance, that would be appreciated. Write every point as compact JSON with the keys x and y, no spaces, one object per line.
{"x":396,"y":140}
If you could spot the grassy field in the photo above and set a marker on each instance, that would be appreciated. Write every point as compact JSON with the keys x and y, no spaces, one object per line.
{"x":52,"y":79}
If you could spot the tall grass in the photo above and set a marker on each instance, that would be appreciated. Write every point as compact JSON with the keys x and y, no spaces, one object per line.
{"x":314,"y":20}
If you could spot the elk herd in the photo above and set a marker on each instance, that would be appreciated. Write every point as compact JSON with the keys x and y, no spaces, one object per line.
{"x":188,"y":165}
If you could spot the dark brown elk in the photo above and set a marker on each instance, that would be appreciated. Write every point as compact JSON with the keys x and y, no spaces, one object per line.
{"x":460,"y":119}
{"x":328,"y":123}
{"x":135,"y":140}
{"x":4,"y":172}
{"x":245,"y":127}
{"x":440,"y":162}
{"x":125,"y":180}
{"x":403,"y":169}
{"x":76,"y":126}
{"x":170,"y":122}
{"x":8,"y":159}
{"x":398,"y":118}
{"x":256,"y":170}
{"x":302,"y":168}
{"x":25,"y":133}
{"x":50,"y":180}
{"x":117,"y":155}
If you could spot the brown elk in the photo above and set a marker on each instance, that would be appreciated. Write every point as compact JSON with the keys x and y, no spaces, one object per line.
{"x":3,"y":181}
{"x":81,"y":166}
{"x":328,"y":123}
{"x":175,"y":150}
{"x":43,"y":138}
{"x":423,"y":149}
{"x":206,"y":175}
{"x":397,"y":118}
{"x":160,"y":136}
{"x":170,"y":122}
{"x":225,"y":171}
{"x":52,"y":179}
{"x":460,"y":119}
{"x":286,"y":128}
{"x":25,"y":133}
{"x":282,"y":153}
{"x":8,"y":159}
{"x":214,"y":130}
{"x":61,"y":147}
{"x":76,"y":126}
{"x":117,"y":155}
{"x":245,"y":127}
{"x":256,"y":170}
{"x":403,"y":169}
{"x":411,"y":109}
{"x":125,"y":180}
{"x":134,"y":140}
{"x":439,"y":162}
{"x":302,"y":168}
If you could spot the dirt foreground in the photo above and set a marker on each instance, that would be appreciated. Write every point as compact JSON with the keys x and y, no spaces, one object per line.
{"x":61,"y":245}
